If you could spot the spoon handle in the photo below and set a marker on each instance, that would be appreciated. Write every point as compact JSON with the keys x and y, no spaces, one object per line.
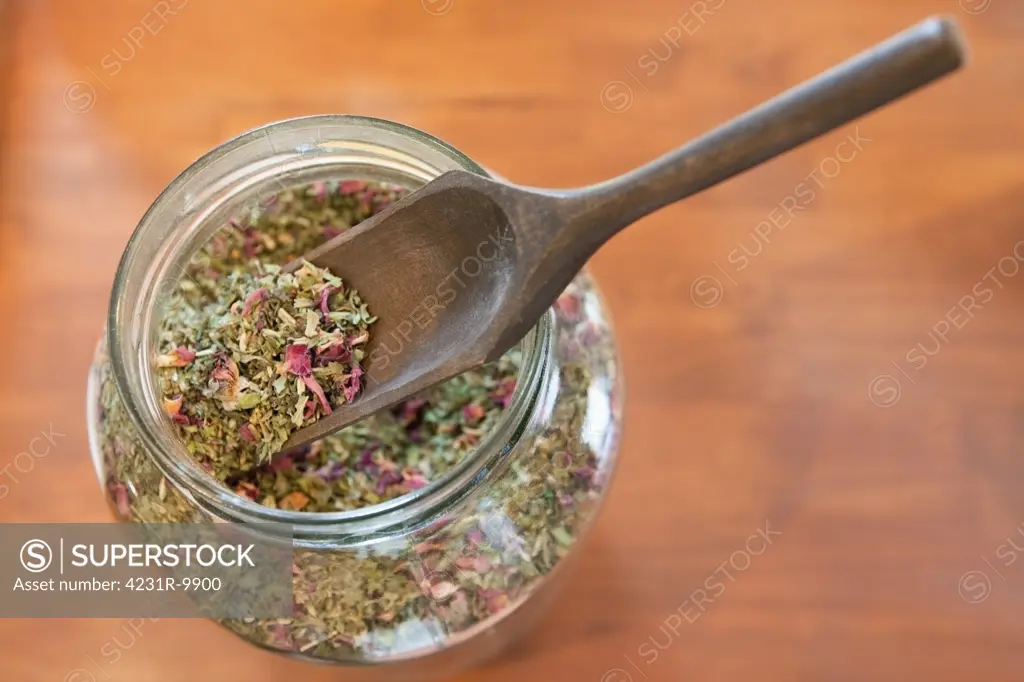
{"x":881,"y":74}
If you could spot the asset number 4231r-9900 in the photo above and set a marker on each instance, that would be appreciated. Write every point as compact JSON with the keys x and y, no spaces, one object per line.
{"x":150,"y":584}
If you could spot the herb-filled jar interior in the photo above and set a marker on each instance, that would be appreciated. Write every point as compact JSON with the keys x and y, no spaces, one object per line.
{"x":415,"y":530}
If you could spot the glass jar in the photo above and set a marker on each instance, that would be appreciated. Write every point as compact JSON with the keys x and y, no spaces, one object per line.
{"x":431,"y":581}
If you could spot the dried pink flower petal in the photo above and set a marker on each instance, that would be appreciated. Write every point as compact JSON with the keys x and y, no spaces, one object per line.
{"x":281,"y":636}
{"x":415,"y":481}
{"x":409,"y":411}
{"x":296,"y":361}
{"x":569,"y":306}
{"x":503,"y":393}
{"x":179,"y":357}
{"x":584,"y":474}
{"x":172,"y":406}
{"x":225,"y":370}
{"x":247,"y":433}
{"x":353,"y":384}
{"x":473,"y":413}
{"x":252,"y":244}
{"x":124,"y":506}
{"x":294,"y":501}
{"x":386,"y":480}
{"x":253,"y":300}
{"x":497,"y":600}
{"x":282,"y":461}
{"x":312,"y":385}
{"x":247,"y":489}
{"x":319,"y":191}
{"x":336,"y":352}
{"x":442,"y":590}
{"x":350,"y":186}
{"x":331,"y":471}
{"x":366,"y":202}
{"x":590,"y":334}
{"x":325,"y":296}
{"x":464,"y":441}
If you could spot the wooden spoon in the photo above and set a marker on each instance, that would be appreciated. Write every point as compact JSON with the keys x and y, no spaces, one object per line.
{"x":460,"y":270}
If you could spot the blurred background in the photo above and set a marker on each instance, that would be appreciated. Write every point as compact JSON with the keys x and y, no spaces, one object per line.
{"x":844,"y":375}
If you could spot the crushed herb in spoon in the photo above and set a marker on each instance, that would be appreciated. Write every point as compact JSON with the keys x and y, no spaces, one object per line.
{"x":274,"y":352}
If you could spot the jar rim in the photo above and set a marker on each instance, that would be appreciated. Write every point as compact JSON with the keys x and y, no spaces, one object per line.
{"x":535,"y":373}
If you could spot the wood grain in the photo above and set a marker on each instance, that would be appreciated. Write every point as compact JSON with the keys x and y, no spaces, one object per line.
{"x":758,"y":344}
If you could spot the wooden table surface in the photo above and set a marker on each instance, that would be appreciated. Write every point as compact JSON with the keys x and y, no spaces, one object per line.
{"x":826,"y":348}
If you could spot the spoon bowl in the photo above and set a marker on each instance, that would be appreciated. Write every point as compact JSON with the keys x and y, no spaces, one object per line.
{"x":438,"y":288}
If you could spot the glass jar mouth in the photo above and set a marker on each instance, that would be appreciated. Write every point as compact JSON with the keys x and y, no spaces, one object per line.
{"x":190,"y":206}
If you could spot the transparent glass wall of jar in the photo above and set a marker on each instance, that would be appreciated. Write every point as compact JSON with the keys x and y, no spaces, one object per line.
{"x":455,"y":570}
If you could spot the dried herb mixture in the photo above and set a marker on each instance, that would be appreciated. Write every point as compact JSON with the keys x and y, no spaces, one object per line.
{"x":413,"y":591}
